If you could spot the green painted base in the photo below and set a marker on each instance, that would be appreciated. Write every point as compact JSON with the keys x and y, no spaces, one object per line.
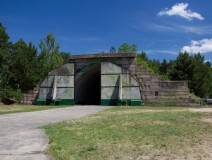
{"x":104,"y":102}
{"x":123,"y":102}
{"x":48,"y":101}
{"x":108,"y":102}
{"x":54,"y":102}
{"x":136,"y":102}
{"x":66,"y":102}
{"x":40,"y":102}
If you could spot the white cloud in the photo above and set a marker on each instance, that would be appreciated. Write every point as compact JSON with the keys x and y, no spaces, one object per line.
{"x":159,"y":27}
{"x":181,"y":10}
{"x":202,"y":46}
{"x":199,"y":30}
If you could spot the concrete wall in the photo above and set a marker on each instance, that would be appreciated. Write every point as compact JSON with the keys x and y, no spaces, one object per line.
{"x":31,"y":96}
{"x":137,"y":82}
{"x":157,"y":91}
{"x":110,"y":77}
{"x":64,"y":83}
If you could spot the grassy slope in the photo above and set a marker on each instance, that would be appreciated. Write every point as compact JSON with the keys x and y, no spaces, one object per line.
{"x":5,"y":109}
{"x":131,"y":133}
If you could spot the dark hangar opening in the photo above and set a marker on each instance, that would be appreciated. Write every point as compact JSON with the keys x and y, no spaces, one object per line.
{"x":88,"y":86}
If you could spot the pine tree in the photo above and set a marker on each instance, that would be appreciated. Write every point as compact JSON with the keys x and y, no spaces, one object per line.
{"x":5,"y":64}
{"x":25,"y":66}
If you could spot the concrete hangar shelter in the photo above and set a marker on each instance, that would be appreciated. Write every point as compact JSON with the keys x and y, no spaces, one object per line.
{"x":109,"y":79}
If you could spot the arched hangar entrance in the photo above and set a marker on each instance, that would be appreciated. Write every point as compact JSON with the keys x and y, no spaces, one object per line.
{"x":88,"y":85}
{"x":92,"y":80}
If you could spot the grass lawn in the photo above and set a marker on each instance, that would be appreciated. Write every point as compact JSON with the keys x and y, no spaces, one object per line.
{"x":5,"y":109}
{"x":132,"y":133}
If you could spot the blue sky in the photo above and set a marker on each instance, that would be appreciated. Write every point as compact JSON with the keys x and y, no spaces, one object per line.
{"x":161,"y":28}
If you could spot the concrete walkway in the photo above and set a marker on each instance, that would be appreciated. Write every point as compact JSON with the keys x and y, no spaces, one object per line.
{"x":20,"y":137}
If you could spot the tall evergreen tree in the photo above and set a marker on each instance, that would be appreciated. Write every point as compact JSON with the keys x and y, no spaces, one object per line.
{"x":193,"y":69}
{"x":201,"y":78}
{"x":21,"y":68}
{"x":155,"y":65}
{"x":5,"y":64}
{"x":163,"y":69}
{"x":25,"y":66}
{"x":182,"y":69}
{"x":143,"y":56}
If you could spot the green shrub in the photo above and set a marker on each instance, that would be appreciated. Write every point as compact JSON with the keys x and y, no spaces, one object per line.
{"x":11,"y":94}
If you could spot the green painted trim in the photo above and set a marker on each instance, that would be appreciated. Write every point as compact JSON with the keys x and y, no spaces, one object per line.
{"x":48,"y":101}
{"x":40,"y":101}
{"x":136,"y":102}
{"x":66,"y":102}
{"x":130,"y":102}
{"x":104,"y":102}
{"x":123,"y":102}
{"x":54,"y":102}
{"x":109,"y":102}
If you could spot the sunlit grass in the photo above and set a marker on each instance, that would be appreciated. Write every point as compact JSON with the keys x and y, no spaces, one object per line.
{"x":132,"y":133}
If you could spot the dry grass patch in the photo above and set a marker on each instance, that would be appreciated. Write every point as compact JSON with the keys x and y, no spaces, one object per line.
{"x":5,"y":109}
{"x":209,"y":120}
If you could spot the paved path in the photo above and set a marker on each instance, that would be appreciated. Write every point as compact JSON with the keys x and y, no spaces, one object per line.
{"x":20,"y":137}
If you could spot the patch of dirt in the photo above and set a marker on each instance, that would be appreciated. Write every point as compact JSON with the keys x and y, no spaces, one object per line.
{"x":204,"y":110}
{"x":134,"y":111}
{"x":1,"y":104}
{"x":200,"y":152}
{"x":209,"y":120}
{"x":162,"y":122}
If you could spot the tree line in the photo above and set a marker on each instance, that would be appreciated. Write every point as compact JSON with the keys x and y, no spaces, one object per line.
{"x":22,"y":66}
